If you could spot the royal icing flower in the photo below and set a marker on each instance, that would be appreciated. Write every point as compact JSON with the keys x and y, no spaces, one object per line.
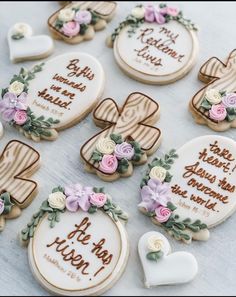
{"x":98,"y":199}
{"x":57,"y":200}
{"x":20,"y":117}
{"x":162,"y":214}
{"x":138,"y":12}
{"x":152,"y":14}
{"x":124,"y":151}
{"x":16,"y":88}
{"x":11,"y":103}
{"x":218,"y":112}
{"x":2,"y":206}
{"x":105,"y":146}
{"x":213,"y":96}
{"x":108,"y":164}
{"x":66,"y":15}
{"x":158,"y":173}
{"x":229,"y":100}
{"x":22,"y":29}
{"x":71,"y":29}
{"x":155,"y":194}
{"x":78,"y":197}
{"x":83,"y":17}
{"x":172,"y":11}
{"x":154,"y":244}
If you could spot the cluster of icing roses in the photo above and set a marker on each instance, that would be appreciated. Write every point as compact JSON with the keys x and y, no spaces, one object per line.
{"x":13,"y":105}
{"x":77,"y":197}
{"x":73,"y":21}
{"x":220,"y":105}
{"x":156,"y":195}
{"x":151,"y":13}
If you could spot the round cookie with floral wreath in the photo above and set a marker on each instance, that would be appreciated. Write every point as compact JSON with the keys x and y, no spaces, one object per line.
{"x":52,"y":96}
{"x":77,"y":243}
{"x":78,"y":21}
{"x":192,"y":190}
{"x":155,"y":44}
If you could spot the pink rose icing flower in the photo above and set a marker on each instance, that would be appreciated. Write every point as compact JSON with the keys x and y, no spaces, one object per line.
{"x":108,"y":164}
{"x":229,"y":100}
{"x":78,"y":197}
{"x":20,"y":117}
{"x":83,"y":17}
{"x":155,"y":194}
{"x":71,"y":28}
{"x":2,"y":206}
{"x":98,"y":199}
{"x":124,"y":151}
{"x":162,"y":214}
{"x":173,"y":11}
{"x":152,"y":14}
{"x":11,"y":103}
{"x":218,"y":112}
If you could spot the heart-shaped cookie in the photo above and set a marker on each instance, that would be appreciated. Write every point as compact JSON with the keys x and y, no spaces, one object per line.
{"x":24,"y":46}
{"x":53,"y":96}
{"x":161,"y":267}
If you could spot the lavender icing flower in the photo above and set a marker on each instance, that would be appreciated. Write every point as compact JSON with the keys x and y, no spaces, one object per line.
{"x":155,"y":194}
{"x":229,"y":100}
{"x":78,"y":197}
{"x":11,"y":103}
{"x":124,"y":151}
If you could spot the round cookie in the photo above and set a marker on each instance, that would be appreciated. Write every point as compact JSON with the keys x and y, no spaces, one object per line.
{"x":195,"y":192}
{"x":53,"y":96}
{"x":78,"y":245}
{"x":155,"y":51}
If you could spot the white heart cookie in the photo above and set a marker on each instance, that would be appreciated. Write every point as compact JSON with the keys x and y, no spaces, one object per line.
{"x":155,"y":51}
{"x":24,"y":46}
{"x":171,"y":268}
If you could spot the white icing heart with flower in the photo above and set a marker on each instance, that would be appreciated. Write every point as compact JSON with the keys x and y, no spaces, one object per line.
{"x":213,"y":96}
{"x":158,"y":173}
{"x":57,"y":200}
{"x":105,"y":146}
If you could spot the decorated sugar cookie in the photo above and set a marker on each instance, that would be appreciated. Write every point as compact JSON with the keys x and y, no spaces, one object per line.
{"x":78,"y":21}
{"x":24,"y":45}
{"x":78,"y":245}
{"x":127,"y":139}
{"x":155,"y":44}
{"x":215,"y":104}
{"x":52,"y":96}
{"x":17,"y":163}
{"x":161,"y":267}
{"x":193,"y":190}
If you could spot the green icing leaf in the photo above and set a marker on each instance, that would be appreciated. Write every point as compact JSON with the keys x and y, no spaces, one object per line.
{"x":206,"y":104}
{"x":92,"y":209}
{"x":123,"y":166}
{"x":96,"y":156}
{"x":6,"y":198}
{"x":117,"y":138}
{"x":17,"y":36}
{"x":155,"y":256}
{"x":171,"y":206}
{"x":83,"y":29}
{"x":58,"y":189}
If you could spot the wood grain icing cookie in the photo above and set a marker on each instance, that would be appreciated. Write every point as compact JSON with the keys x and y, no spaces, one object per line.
{"x":160,"y":266}
{"x":18,"y":162}
{"x":195,"y":192}
{"x":215,"y":104}
{"x":78,"y":245}
{"x":155,"y":44}
{"x":127,"y":139}
{"x":25,"y":46}
{"x":52,"y":96}
{"x":78,"y":21}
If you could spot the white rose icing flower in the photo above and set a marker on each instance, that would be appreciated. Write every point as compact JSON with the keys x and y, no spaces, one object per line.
{"x":213,"y":96}
{"x":158,"y":173}
{"x":57,"y":200}
{"x":22,"y":29}
{"x":154,"y":244}
{"x":105,"y":146}
{"x":16,"y":88}
{"x":66,"y":15}
{"x":138,"y":12}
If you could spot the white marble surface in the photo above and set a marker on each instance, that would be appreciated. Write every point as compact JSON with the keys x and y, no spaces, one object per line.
{"x":61,"y":164}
